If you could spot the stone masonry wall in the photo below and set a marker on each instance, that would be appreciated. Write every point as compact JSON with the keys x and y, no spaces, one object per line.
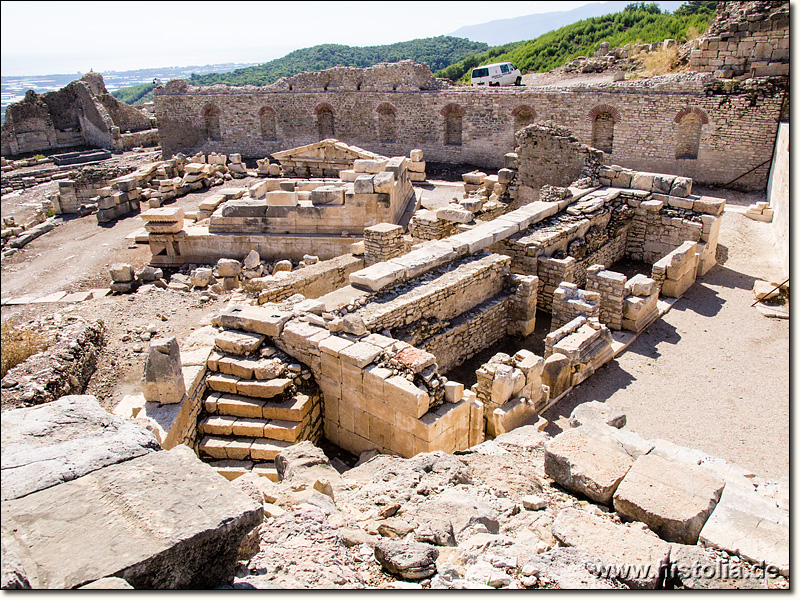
{"x":470,"y":333}
{"x":738,"y":128}
{"x":745,"y":38}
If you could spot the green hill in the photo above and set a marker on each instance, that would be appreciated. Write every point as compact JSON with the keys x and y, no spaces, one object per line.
{"x":637,"y":23}
{"x":438,"y":52}
{"x":136,"y":94}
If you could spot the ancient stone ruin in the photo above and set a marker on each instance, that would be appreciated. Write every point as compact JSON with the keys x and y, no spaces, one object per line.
{"x":81,"y":114}
{"x":367,"y":409}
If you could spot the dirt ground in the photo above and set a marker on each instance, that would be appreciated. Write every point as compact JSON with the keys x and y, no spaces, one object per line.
{"x":713,"y":374}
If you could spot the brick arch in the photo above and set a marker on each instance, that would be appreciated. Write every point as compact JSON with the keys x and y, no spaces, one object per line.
{"x":604,"y":108}
{"x":685,"y":111}
{"x":523,"y":108}
{"x":211,"y":109}
{"x":266,"y":110}
{"x":211,"y":122}
{"x":452,"y":109}
{"x":324,"y":105}
{"x":385,"y":107}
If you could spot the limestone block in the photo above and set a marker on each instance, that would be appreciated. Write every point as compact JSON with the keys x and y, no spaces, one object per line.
{"x":404,"y":396}
{"x":396,"y":165}
{"x":507,"y":382}
{"x":415,"y":359}
{"x":348,"y":175}
{"x":121,"y":273}
{"x":415,"y":155}
{"x":416,"y":176}
{"x":516,"y":413}
{"x":163,"y":214}
{"x":328,"y":195}
{"x":590,"y":466}
{"x":359,"y":354}
{"x":453,"y":391}
{"x":155,"y":511}
{"x":709,"y":205}
{"x":429,"y":256}
{"x":364,"y":165}
{"x":163,"y":376}
{"x":673,"y":498}
{"x":675,"y":288}
{"x":640,"y":285}
{"x":163,"y":227}
{"x":240,"y":343}
{"x":364,"y":185}
{"x":642,"y":181}
{"x":662,"y":184}
{"x":454,"y":213}
{"x":258,"y":189}
{"x":378,"y":276}
{"x":747,"y":524}
{"x":557,"y":374}
{"x":383,"y":183}
{"x":596,"y":412}
{"x":228,"y":267}
{"x":416,"y":167}
{"x":252,"y":260}
{"x":257,"y":319}
{"x":46,"y":445}
{"x":616,"y":546}
{"x":263,"y":389}
{"x":282,"y":198}
{"x":474,"y":177}
{"x":282,"y":266}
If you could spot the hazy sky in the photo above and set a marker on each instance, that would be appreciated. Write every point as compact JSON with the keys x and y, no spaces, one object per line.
{"x":43,"y":38}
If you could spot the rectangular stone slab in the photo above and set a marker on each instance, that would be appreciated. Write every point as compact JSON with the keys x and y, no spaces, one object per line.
{"x":673,"y":498}
{"x":46,"y":445}
{"x":161,"y":521}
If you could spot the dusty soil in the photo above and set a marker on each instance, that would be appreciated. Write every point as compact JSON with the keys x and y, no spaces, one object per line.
{"x":713,"y":374}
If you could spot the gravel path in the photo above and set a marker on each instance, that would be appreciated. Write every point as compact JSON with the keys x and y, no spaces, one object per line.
{"x":713,"y":374}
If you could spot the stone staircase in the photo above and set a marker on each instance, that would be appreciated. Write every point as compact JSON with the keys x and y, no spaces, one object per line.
{"x":258,"y":402}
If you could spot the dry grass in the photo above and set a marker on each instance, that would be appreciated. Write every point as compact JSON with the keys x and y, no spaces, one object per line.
{"x":18,"y":343}
{"x":661,"y":62}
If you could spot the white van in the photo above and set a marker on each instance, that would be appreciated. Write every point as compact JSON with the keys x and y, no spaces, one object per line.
{"x":496,"y":74}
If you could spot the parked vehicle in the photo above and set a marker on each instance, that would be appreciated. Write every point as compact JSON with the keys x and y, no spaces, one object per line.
{"x":496,"y":74}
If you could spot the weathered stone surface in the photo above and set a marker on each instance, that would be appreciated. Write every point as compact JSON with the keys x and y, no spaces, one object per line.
{"x":638,"y":558}
{"x":596,"y":412}
{"x":121,"y":273}
{"x":46,"y":445}
{"x":378,"y":276}
{"x":108,"y":583}
{"x":590,"y":466}
{"x":227,"y":267}
{"x":409,"y":560}
{"x":161,"y":521}
{"x":240,"y":343}
{"x":557,"y":374}
{"x":745,"y":523}
{"x":305,"y":462}
{"x":674,"y":499}
{"x":163,"y":374}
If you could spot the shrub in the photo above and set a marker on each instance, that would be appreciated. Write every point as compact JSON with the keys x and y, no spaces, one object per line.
{"x":18,"y":343}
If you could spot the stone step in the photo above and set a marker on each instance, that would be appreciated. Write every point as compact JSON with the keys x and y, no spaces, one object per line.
{"x":252,"y":367}
{"x":296,"y":408}
{"x":231,"y":384}
{"x":276,"y":429}
{"x":241,"y":448}
{"x":231,"y":469}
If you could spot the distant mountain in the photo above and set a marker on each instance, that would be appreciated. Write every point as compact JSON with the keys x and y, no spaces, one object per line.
{"x":504,"y":31}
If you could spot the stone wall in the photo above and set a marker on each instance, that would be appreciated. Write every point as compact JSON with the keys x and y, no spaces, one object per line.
{"x":778,"y":195}
{"x":737,"y":124}
{"x":311,"y":281}
{"x":81,"y":113}
{"x":469,"y":333}
{"x":62,"y":369}
{"x":750,"y":38}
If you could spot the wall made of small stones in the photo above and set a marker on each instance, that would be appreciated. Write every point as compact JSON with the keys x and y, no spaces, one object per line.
{"x":738,"y":136}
